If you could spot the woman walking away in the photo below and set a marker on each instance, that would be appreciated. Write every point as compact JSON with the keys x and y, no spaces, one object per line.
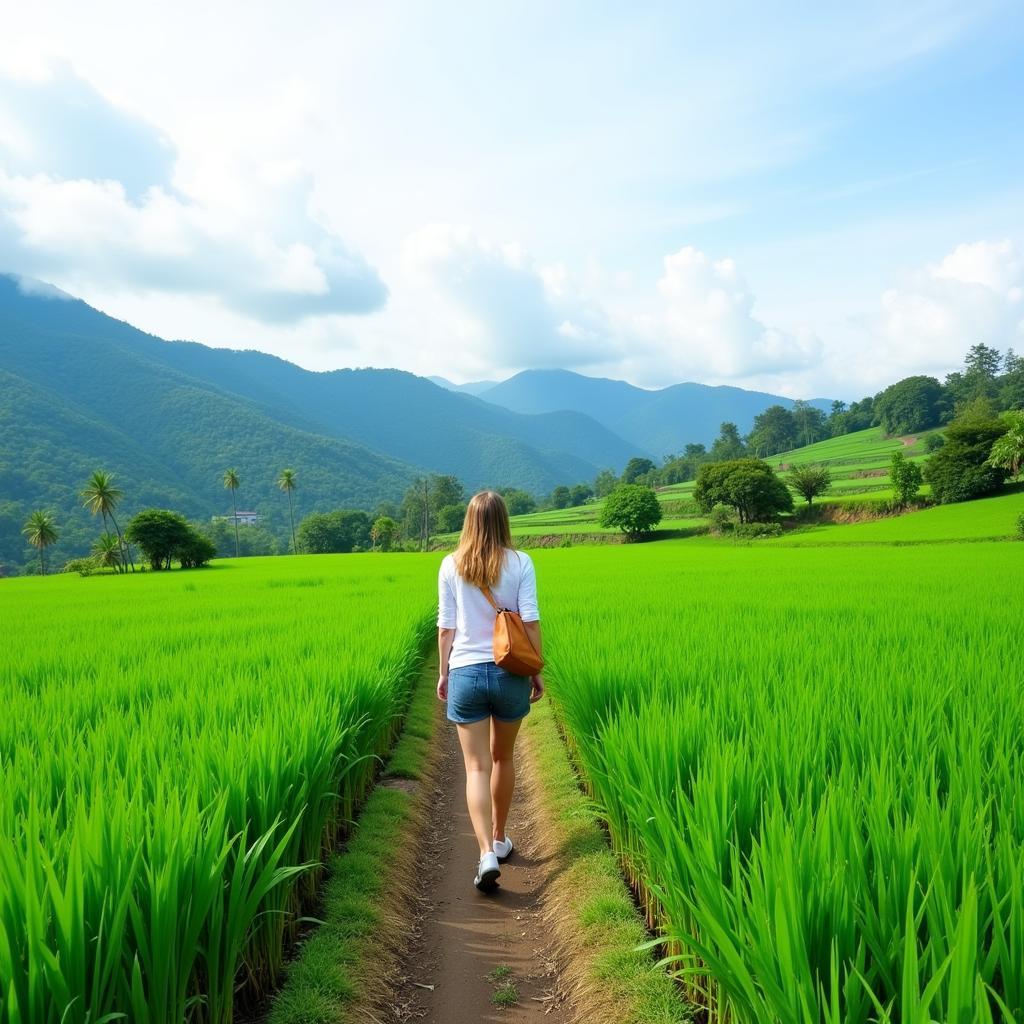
{"x":486,"y":701}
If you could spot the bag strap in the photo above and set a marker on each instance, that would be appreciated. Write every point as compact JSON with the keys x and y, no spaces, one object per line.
{"x":486,"y":591}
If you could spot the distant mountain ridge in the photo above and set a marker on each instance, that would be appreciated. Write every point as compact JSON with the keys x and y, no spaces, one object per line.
{"x":80,"y":390}
{"x":660,"y":421}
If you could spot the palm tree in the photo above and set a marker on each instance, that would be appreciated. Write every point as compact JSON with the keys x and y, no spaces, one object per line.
{"x":107,"y":551}
{"x":232,"y":483}
{"x":100,"y":497}
{"x":41,"y":531}
{"x":286,"y":481}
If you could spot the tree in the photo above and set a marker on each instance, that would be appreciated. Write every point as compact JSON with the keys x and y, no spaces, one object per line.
{"x":286,"y":481}
{"x":40,"y":531}
{"x":1008,"y":451}
{"x":748,"y":485}
{"x":906,"y":478}
{"x":810,"y":481}
{"x":232,"y":483}
{"x":101,"y":498}
{"x":909,"y":405}
{"x":632,"y":508}
{"x":728,"y":445}
{"x":809,"y":422}
{"x":518,"y":502}
{"x":636,"y":468}
{"x":560,"y":497}
{"x":774,"y":431}
{"x":196,"y":550}
{"x":160,"y":534}
{"x":982,"y":361}
{"x":604,"y":483}
{"x":106,"y":551}
{"x":251,"y":540}
{"x":580,"y":494}
{"x":339,"y":532}
{"x":1012,"y":362}
{"x":446,"y":490}
{"x":960,"y":470}
{"x":383,"y":532}
{"x":450,"y":518}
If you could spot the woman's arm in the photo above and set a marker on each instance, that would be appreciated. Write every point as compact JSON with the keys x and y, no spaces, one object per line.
{"x":533,"y":632}
{"x":445,"y":639}
{"x":537,"y":681}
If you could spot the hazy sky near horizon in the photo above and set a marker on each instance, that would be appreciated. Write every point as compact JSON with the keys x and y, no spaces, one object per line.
{"x":812,"y":200}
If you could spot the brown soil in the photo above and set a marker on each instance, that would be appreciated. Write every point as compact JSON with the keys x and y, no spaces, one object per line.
{"x":461,"y":935}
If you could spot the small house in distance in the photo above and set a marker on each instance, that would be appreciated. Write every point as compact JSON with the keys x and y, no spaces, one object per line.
{"x":239,"y":517}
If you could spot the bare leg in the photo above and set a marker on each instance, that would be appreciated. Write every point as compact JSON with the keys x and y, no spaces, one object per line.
{"x":476,"y":752}
{"x":503,"y":776}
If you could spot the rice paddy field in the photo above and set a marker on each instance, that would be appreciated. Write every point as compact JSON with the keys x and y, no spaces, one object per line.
{"x":808,"y":759}
{"x":178,"y":751}
{"x":809,"y":762}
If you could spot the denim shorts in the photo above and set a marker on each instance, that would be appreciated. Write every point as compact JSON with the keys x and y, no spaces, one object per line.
{"x":476,"y":692}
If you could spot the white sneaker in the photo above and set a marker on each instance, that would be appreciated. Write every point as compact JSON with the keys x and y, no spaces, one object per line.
{"x":503,"y":848}
{"x":487,"y":873}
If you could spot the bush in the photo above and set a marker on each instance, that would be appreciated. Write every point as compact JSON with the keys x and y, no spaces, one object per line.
{"x":752,"y":531}
{"x":749,"y":485}
{"x":633,"y":508}
{"x":959,"y":470}
{"x":83,"y":566}
{"x":1020,"y":526}
{"x":933,"y":442}
{"x":720,"y":519}
{"x":196,"y":551}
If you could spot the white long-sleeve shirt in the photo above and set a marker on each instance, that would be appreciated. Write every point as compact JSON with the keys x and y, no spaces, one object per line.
{"x":463,"y":607}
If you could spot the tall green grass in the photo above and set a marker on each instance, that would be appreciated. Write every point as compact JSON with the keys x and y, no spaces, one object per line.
{"x":177,"y":753}
{"x":810,"y":764}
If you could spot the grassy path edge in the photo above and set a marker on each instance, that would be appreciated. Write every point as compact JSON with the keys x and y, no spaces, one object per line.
{"x":344,"y":967}
{"x":593,"y":917}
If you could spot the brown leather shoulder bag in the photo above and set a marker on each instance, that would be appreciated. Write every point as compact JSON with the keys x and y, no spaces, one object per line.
{"x":513,"y":649}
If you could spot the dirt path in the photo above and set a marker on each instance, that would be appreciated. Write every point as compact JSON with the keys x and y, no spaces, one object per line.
{"x":462,"y":936}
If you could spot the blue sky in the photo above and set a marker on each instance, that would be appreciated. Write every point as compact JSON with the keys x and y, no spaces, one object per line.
{"x":816,"y":200}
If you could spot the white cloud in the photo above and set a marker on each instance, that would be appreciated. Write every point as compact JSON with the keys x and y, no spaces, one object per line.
{"x":697,"y":322}
{"x":86,"y":198}
{"x":509,"y":312}
{"x":974,"y":294}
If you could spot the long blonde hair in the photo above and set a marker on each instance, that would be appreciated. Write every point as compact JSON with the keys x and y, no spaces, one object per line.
{"x":486,"y":534}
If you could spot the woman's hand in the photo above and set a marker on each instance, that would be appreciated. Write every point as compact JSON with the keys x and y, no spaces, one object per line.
{"x":442,"y":687}
{"x":536,"y":688}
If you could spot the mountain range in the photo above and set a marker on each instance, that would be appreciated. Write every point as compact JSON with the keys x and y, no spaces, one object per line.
{"x":80,"y":390}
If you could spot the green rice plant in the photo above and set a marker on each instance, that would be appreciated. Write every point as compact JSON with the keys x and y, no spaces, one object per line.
{"x":808,"y":760}
{"x":175,"y":762}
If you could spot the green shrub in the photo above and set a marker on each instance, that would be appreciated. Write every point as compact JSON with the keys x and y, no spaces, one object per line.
{"x":83,"y":566}
{"x":633,"y":508}
{"x":720,"y":519}
{"x":1020,"y":526}
{"x":933,"y":442}
{"x":752,"y":531}
{"x":196,"y":551}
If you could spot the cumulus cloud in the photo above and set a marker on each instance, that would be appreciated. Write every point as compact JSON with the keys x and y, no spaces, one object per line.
{"x":87,"y":196}
{"x":697,"y":320}
{"x":707,"y":324}
{"x":513,"y":313}
{"x":974,"y":294}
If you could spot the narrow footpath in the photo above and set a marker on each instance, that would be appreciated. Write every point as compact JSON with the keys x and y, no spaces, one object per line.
{"x":471,"y":954}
